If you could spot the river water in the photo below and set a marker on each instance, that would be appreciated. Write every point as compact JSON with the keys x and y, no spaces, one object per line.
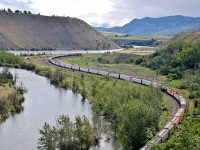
{"x":43,"y":103}
{"x":58,"y":52}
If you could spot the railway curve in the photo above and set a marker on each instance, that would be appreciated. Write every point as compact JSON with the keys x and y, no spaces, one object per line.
{"x":178,"y":102}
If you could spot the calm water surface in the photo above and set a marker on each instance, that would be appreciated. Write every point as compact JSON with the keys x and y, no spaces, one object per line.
{"x":58,"y":52}
{"x":44,"y":103}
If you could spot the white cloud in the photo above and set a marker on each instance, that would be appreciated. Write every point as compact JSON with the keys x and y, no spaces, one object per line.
{"x":89,"y":10}
{"x":106,"y":12}
{"x":1,"y":5}
{"x":24,"y":1}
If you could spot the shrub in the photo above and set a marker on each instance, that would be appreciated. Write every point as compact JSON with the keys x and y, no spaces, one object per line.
{"x":173,"y":76}
{"x":16,"y":66}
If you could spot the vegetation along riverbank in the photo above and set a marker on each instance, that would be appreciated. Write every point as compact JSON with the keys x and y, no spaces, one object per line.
{"x":11,"y":95}
{"x":179,"y":62}
{"x":122,"y":101}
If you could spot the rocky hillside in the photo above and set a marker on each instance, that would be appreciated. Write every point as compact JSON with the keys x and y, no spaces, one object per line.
{"x":35,"y":32}
{"x":170,"y":25}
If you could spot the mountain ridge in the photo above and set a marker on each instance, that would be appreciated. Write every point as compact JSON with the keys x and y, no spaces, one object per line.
{"x":169,"y":25}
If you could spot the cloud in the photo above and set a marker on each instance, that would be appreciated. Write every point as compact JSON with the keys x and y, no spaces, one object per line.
{"x":107,"y":12}
{"x":127,"y":10}
{"x":16,"y":4}
{"x":84,"y":9}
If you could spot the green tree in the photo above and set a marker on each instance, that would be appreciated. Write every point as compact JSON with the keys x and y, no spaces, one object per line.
{"x":47,"y":141}
{"x":67,"y":135}
{"x":135,"y":121}
{"x":9,"y":10}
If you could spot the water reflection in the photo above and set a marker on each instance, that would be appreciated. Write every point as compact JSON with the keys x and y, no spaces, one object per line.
{"x":44,"y":103}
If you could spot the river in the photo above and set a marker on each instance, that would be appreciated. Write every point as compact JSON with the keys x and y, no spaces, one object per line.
{"x":59,"y":52}
{"x":43,"y":103}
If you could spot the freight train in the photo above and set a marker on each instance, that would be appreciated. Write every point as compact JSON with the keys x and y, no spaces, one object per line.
{"x":168,"y":128}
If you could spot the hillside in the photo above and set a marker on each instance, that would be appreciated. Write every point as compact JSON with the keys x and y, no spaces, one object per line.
{"x":169,"y":25}
{"x":180,"y":61}
{"x":25,"y":31}
{"x":187,"y":37}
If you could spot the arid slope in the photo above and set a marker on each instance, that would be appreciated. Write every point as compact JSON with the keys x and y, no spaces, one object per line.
{"x":22,"y":31}
{"x":187,"y":37}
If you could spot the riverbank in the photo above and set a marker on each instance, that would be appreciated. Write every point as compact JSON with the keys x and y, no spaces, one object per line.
{"x":85,"y":84}
{"x":11,"y":95}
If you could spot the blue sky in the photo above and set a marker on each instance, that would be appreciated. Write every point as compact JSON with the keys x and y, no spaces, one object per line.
{"x":107,"y":12}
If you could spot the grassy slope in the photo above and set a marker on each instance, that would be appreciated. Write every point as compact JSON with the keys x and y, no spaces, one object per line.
{"x":187,"y":37}
{"x":90,"y":61}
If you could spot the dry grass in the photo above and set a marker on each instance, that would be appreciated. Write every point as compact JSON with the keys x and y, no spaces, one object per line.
{"x":44,"y":32}
{"x":139,"y":51}
{"x":5,"y":90}
{"x":187,"y":37}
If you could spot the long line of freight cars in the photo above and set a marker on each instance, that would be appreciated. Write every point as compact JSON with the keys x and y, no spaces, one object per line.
{"x":168,"y":128}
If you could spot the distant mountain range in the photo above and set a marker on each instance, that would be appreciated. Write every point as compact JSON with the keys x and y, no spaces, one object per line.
{"x":35,"y":32}
{"x":169,"y":25}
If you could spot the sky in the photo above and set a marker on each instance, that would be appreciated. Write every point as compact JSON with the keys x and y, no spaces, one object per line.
{"x":106,"y":13}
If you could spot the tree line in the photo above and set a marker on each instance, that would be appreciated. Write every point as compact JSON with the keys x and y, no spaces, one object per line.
{"x":10,"y":11}
{"x":180,"y":61}
{"x":12,"y":61}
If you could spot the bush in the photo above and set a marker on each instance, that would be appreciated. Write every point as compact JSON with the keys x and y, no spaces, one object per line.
{"x":193,"y":95}
{"x":139,"y":61}
{"x":30,"y":67}
{"x":164,"y":70}
{"x":23,"y":66}
{"x":183,"y":85}
{"x":173,"y":76}
{"x":37,"y":70}
{"x":16,"y":66}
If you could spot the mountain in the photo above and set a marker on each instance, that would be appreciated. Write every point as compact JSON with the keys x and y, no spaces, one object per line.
{"x":169,"y":25}
{"x":35,"y":32}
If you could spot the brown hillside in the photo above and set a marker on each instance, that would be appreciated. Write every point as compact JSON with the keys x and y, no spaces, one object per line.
{"x":21,"y":31}
{"x":187,"y":37}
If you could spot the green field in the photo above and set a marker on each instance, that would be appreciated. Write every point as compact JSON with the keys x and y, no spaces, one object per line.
{"x":163,"y":38}
{"x":91,"y":61}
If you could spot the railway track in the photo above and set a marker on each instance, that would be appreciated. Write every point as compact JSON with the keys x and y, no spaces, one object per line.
{"x":178,"y":103}
{"x":174,"y":104}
